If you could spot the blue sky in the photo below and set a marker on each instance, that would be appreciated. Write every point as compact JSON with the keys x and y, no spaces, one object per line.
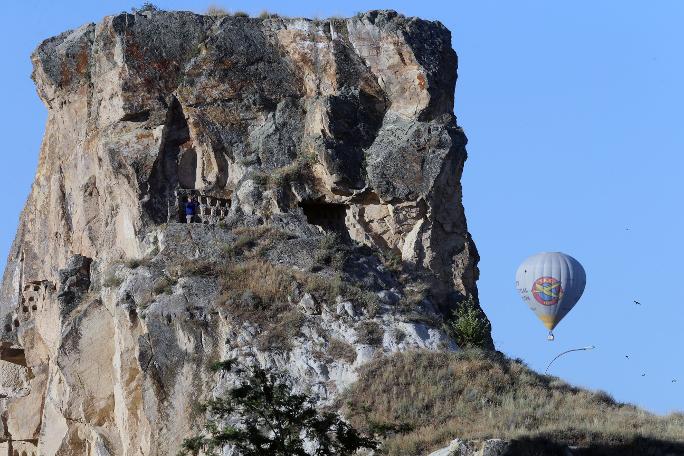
{"x":573,"y":112}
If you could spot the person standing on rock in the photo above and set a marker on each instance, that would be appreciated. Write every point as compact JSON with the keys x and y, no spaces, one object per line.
{"x":190,"y":207}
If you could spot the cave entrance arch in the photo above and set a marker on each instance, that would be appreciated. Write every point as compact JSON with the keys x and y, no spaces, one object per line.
{"x":328,"y":216}
{"x":175,"y":167}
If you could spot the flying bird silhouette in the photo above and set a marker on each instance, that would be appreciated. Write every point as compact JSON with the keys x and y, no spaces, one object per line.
{"x":627,"y":356}
{"x":637,"y":303}
{"x":643,"y":375}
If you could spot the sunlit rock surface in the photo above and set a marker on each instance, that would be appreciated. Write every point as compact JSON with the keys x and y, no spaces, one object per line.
{"x":340,"y":129}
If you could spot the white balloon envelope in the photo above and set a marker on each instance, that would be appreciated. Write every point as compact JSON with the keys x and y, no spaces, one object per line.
{"x":550,"y":283}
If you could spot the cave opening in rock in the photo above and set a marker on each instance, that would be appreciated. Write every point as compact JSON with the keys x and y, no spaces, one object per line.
{"x":175,"y":166}
{"x":12,"y":354}
{"x":328,"y":216}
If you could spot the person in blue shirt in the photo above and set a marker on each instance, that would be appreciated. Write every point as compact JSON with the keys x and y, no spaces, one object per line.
{"x":190,"y":208}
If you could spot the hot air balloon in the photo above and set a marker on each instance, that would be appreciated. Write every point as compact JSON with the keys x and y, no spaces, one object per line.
{"x":550,"y":283}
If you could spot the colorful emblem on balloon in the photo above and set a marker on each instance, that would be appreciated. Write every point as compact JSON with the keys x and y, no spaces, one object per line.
{"x":547,"y":291}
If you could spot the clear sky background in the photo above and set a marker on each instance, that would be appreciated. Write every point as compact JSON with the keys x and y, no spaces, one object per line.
{"x":574,"y":114}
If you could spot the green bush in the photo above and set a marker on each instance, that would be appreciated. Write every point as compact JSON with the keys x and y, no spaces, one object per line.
{"x":267,"y":418}
{"x":469,"y":326}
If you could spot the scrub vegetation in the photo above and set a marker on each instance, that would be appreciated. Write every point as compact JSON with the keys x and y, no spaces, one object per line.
{"x":434,"y":397}
{"x":469,"y":326}
{"x":260,"y":291}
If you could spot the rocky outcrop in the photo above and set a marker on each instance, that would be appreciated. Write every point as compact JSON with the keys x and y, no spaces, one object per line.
{"x":327,"y":160}
{"x":458,"y":447}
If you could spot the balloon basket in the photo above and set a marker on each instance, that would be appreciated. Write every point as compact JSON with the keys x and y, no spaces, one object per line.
{"x":550,"y":337}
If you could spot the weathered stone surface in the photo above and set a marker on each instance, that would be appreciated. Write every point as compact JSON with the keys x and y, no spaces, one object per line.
{"x":458,"y":447}
{"x":306,"y":129}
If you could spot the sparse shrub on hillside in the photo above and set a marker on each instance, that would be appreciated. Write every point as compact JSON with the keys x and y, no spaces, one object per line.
{"x":147,"y":6}
{"x":217,"y":11}
{"x":341,"y":350}
{"x":324,"y":288}
{"x":331,"y":252}
{"x":392,"y":261}
{"x":297,"y":171}
{"x":468,"y":326}
{"x":252,"y":242}
{"x":111,"y":279}
{"x":240,"y":14}
{"x":474,"y":394}
{"x":268,"y":285}
{"x":368,"y":300}
{"x":279,"y":335}
{"x":268,"y":15}
{"x":256,"y":290}
{"x":134,"y":263}
{"x":414,"y":294}
{"x":196,"y":267}
{"x":164,"y":285}
{"x":370,"y":333}
{"x":266,"y":417}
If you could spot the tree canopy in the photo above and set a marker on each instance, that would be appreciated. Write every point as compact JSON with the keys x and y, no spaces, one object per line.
{"x":263,"y":416}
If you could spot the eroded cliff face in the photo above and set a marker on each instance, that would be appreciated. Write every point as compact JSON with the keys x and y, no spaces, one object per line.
{"x":326,"y":162}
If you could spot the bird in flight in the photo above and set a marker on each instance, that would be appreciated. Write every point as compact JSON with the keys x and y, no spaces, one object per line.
{"x":643,"y":375}
{"x":674,"y":380}
{"x":627,"y":356}
{"x":637,"y":303}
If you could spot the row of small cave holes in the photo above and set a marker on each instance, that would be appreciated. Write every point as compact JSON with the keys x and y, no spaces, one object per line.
{"x":23,"y":453}
{"x":25,"y":309}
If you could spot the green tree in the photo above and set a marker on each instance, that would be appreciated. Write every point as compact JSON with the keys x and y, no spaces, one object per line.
{"x":468,"y":325}
{"x":266,"y":417}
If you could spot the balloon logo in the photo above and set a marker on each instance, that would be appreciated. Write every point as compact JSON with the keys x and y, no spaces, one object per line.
{"x":547,"y":291}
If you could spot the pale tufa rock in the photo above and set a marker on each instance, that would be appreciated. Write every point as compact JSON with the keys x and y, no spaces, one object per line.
{"x":305,"y":130}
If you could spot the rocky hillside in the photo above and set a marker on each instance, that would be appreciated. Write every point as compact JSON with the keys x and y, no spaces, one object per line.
{"x":325,"y":160}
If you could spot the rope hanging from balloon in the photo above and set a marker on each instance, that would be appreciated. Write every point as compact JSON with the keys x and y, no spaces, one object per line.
{"x":590,"y":347}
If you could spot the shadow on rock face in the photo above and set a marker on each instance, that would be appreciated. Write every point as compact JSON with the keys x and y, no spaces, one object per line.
{"x":547,"y":447}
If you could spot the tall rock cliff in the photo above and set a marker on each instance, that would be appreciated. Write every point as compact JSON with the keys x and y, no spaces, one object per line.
{"x":324,"y":160}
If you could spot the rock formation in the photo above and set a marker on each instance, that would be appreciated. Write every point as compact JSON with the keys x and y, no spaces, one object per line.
{"x":326,"y":161}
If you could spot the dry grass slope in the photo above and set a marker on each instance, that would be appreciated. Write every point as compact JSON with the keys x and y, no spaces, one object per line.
{"x":476,"y":395}
{"x":255,"y":289}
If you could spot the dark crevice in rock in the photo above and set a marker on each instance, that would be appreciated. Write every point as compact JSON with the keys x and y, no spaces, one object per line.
{"x":175,"y":166}
{"x":356,"y":117}
{"x":12,"y":354}
{"x":328,"y":216}
{"x":141,"y":116}
{"x":356,"y":114}
{"x":74,"y":283}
